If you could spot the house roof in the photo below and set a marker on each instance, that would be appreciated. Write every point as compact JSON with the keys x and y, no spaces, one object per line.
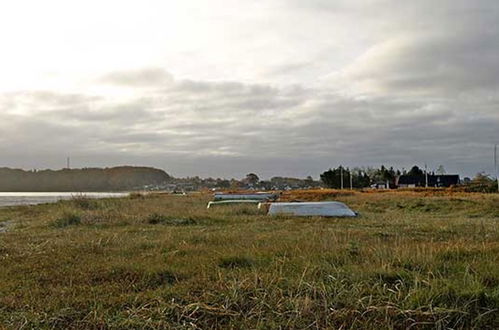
{"x":433,"y":180}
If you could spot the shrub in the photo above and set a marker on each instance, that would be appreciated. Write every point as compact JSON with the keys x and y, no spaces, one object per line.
{"x":156,"y":218}
{"x":179,"y":222}
{"x":159,"y":278}
{"x":235,"y":262}
{"x":85,"y":203}
{"x":394,"y":277}
{"x":67,"y":219}
{"x":353,"y":249}
{"x":136,"y":195}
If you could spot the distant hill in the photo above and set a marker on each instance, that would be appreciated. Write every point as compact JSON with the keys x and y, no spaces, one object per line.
{"x":87,"y":179}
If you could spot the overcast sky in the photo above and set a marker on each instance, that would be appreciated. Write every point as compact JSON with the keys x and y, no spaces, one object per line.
{"x":225,"y":87}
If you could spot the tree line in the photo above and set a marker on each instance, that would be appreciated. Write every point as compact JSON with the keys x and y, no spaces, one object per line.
{"x":363,"y":177}
{"x":81,"y":180}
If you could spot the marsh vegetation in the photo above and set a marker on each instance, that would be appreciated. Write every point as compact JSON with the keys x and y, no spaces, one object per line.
{"x":412,"y":259}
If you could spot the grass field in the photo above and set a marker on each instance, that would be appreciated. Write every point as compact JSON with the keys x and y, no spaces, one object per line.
{"x":412,"y":259}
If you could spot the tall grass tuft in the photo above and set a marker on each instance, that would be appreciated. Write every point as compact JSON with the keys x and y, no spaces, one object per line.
{"x":67,"y":219}
{"x":85,"y":203}
{"x":156,"y":218}
{"x":235,"y":262}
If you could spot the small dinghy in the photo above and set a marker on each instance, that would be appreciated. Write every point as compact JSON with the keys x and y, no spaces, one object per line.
{"x":323,"y":209}
{"x":251,"y":196}
{"x":232,"y":202}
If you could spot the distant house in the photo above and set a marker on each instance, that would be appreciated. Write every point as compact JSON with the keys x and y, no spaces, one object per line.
{"x":413,"y":181}
{"x":381,"y":185}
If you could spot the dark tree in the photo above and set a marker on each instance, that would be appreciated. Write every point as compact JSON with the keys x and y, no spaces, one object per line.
{"x":252,"y":179}
{"x":332,"y":178}
{"x":415,"y":171}
{"x":266,"y":185}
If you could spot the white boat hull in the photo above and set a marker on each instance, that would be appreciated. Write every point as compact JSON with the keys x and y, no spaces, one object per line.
{"x":324,"y":209}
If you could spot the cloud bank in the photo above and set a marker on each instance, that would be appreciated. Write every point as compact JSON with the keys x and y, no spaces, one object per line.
{"x":297,"y":88}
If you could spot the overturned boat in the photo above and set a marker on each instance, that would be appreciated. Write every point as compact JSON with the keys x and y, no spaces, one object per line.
{"x":243,"y":196}
{"x":323,"y":209}
{"x":232,"y":202}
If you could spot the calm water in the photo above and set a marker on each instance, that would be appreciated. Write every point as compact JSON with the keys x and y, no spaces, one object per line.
{"x":26,"y":198}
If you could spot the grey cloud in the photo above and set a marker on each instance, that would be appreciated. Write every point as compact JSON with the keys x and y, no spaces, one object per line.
{"x":289,"y":69}
{"x":36,"y":100}
{"x":319,"y":129}
{"x":424,"y":92}
{"x":126,"y":113}
{"x":426,"y":49}
{"x":435,"y":65}
{"x":48,"y":98}
{"x":138,"y":78}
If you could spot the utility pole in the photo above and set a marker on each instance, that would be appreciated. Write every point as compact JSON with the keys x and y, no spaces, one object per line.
{"x":426,"y":175}
{"x":351,"y":180}
{"x":68,"y":163}
{"x":341,"y":170}
{"x":496,"y":166}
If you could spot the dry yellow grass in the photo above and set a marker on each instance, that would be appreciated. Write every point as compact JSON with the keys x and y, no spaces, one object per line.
{"x":412,"y":259}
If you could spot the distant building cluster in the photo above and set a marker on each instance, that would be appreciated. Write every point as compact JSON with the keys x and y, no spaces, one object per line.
{"x":336,"y":178}
{"x":431,"y":180}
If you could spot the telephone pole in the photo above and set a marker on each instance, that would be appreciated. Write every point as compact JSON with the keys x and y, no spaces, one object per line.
{"x":351,"y":180}
{"x":426,"y":175}
{"x":496,"y":166}
{"x":68,"y":163}
{"x":341,"y":169}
